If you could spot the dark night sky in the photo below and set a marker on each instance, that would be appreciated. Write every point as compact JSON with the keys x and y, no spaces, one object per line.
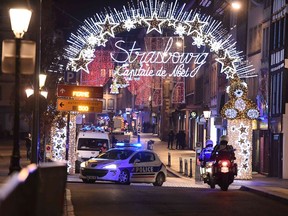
{"x":81,"y":9}
{"x":72,"y":13}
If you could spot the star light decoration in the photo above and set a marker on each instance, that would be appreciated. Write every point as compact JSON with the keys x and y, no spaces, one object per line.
{"x":107,"y":27}
{"x":80,"y":63}
{"x":58,"y":143}
{"x":72,"y":144}
{"x":154,"y":23}
{"x":240,"y":136}
{"x":228,"y":64}
{"x":195,"y":26}
{"x":156,"y":15}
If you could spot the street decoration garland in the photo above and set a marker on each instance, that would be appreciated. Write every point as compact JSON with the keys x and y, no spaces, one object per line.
{"x":240,"y":111}
{"x":204,"y":30}
{"x":156,"y":16}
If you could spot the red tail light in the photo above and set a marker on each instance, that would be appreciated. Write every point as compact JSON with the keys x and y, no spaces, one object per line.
{"x":224,"y":163}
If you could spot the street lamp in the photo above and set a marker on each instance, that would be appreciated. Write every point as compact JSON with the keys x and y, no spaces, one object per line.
{"x":20,"y":19}
{"x":207,"y":115}
{"x":236,"y":5}
{"x":37,"y":97}
{"x":43,"y":92}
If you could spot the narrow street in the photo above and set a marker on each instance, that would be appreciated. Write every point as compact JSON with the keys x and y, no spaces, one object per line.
{"x":111,"y":199}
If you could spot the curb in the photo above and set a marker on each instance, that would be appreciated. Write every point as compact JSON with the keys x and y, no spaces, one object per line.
{"x":68,"y":208}
{"x":265,"y":194}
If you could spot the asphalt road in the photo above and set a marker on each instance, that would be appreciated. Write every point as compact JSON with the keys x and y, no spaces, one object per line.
{"x":107,"y":199}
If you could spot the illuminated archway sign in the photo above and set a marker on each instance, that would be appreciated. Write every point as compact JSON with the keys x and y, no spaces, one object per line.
{"x":155,"y":16}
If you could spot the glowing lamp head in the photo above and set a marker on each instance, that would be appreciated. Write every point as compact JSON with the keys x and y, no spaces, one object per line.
{"x":236,"y":5}
{"x":20,"y":19}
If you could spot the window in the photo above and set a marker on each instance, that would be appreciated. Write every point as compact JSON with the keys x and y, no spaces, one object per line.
{"x":265,"y":48}
{"x":91,"y":144}
{"x":255,"y":35}
{"x":148,"y":157}
{"x":110,"y":105}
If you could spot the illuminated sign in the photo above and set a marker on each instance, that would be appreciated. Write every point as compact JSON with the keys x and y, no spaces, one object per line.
{"x":80,"y":94}
{"x":179,"y":59}
{"x":79,"y":91}
{"x":79,"y":105}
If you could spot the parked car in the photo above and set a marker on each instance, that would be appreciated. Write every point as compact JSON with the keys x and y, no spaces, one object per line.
{"x":125,"y":166}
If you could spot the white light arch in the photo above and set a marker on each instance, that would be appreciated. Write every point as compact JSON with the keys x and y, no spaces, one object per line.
{"x":156,"y":16}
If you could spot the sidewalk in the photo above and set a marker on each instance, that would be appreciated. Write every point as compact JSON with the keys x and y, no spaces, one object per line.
{"x":265,"y":186}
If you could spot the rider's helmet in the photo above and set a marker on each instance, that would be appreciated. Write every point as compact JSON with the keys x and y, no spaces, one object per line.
{"x":209,"y":143}
{"x":224,"y":138}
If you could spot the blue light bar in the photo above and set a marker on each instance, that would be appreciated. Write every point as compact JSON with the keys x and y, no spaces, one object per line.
{"x":120,"y":144}
{"x":137,"y":144}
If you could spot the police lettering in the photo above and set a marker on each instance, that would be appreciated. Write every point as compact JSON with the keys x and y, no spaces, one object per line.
{"x":144,"y":169}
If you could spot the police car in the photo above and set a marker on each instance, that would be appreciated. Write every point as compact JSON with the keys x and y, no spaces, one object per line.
{"x":125,"y":165}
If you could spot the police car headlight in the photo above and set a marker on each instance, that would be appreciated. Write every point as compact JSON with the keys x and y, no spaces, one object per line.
{"x":83,"y":164}
{"x":110,"y":166}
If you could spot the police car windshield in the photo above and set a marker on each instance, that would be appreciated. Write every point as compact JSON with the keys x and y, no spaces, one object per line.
{"x":88,"y":144}
{"x":116,"y":154}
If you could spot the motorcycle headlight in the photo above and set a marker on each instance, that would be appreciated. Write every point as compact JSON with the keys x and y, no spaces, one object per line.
{"x":110,"y":166}
{"x":83,"y":164}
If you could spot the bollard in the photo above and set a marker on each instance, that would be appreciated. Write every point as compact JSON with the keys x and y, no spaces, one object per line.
{"x":138,"y":138}
{"x":190,"y":170}
{"x":185,"y":167}
{"x":169,"y":159}
{"x":181,"y":165}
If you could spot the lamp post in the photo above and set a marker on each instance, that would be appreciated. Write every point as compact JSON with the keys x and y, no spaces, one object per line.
{"x":37,"y":92}
{"x":43,"y":92}
{"x":20,"y":19}
{"x":207,"y":115}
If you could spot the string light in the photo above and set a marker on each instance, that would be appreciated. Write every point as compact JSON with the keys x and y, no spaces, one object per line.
{"x":240,"y":137}
{"x":240,"y":111}
{"x":156,"y":15}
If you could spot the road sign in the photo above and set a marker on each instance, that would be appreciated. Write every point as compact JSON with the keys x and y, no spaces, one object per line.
{"x":79,"y":91}
{"x":79,"y":105}
{"x":70,"y":77}
{"x":27,"y":57}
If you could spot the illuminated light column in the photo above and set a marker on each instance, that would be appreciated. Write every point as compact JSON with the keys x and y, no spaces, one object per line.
{"x":240,"y":137}
{"x":72,"y":144}
{"x":58,"y":140}
{"x":240,"y":111}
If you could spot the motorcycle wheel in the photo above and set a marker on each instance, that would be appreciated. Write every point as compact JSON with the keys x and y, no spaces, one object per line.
{"x":225,"y":182}
{"x":211,"y":182}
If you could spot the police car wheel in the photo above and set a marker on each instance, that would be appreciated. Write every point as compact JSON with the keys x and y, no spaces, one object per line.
{"x":124,"y":177}
{"x":159,"y":180}
{"x":89,"y":181}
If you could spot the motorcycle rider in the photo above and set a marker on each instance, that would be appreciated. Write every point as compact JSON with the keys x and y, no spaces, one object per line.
{"x":206,"y":152}
{"x":204,"y":157}
{"x":223,"y":149}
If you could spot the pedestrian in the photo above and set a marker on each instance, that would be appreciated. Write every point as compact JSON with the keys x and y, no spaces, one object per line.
{"x":177,"y":140}
{"x":28,"y":143}
{"x":182,"y":138}
{"x":170,"y":139}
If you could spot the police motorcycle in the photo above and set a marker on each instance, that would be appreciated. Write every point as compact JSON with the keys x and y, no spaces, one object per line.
{"x":218,"y":167}
{"x":221,"y":171}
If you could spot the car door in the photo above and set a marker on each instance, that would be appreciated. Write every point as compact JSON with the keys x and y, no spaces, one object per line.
{"x":144,"y":163}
